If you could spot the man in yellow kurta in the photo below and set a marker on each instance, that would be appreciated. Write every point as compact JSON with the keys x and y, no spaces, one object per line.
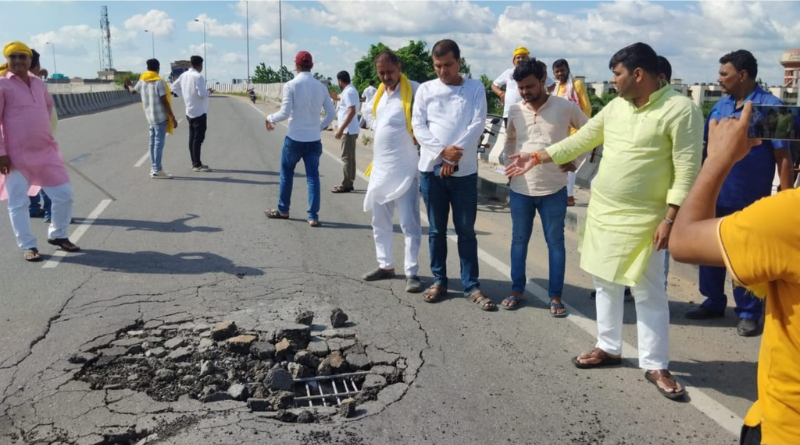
{"x":574,"y":90}
{"x":759,"y":246}
{"x":653,"y":139}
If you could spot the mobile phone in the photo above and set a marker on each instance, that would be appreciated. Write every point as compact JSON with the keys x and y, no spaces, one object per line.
{"x":781,"y":122}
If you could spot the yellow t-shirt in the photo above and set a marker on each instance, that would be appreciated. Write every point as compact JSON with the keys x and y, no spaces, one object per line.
{"x":761,"y":246}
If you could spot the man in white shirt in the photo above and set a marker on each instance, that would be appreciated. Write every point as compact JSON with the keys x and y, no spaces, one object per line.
{"x":448,"y":119}
{"x":303,"y":98}
{"x":191,"y":85}
{"x":535,"y":123}
{"x":394,"y":180}
{"x":347,"y":129}
{"x":511,"y":94}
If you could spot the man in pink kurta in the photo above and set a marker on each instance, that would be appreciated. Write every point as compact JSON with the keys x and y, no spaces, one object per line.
{"x":29,"y":155}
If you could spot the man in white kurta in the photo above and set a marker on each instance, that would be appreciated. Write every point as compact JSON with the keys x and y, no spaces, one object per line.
{"x":394,"y":180}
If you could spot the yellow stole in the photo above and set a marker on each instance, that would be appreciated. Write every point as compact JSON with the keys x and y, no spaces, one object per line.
{"x":152,"y":76}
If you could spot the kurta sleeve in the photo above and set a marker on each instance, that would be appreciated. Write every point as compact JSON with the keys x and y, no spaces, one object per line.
{"x":419,"y":123}
{"x":585,"y":139}
{"x":583,"y":98}
{"x":686,"y":133}
{"x":287,"y":104}
{"x":2,"y":109}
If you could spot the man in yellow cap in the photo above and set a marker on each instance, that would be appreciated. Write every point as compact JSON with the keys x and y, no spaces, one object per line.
{"x":511,"y":94}
{"x":29,"y":155}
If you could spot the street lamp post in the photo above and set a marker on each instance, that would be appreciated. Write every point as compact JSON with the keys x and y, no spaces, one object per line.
{"x":205,"y":58}
{"x":153,"y":38}
{"x":53,"y":45}
{"x":280,"y":37}
{"x":247,"y":30}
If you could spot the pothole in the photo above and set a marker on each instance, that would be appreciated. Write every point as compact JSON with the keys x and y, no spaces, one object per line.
{"x":298,"y":371}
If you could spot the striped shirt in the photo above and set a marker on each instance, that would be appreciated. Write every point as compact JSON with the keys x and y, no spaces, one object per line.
{"x":151,"y":93}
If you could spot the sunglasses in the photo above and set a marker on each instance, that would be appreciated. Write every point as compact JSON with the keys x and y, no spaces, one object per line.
{"x":18,"y":56}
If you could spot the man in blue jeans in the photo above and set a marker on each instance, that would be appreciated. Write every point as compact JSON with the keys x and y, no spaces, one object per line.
{"x":448,"y":119}
{"x":749,"y":180}
{"x":303,"y":98}
{"x":535,"y":123}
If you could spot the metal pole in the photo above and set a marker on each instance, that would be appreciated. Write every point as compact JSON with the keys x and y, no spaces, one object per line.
{"x":53,"y":45}
{"x":205,"y":56}
{"x":280,"y":34}
{"x":153,"y":38}
{"x":247,"y":6}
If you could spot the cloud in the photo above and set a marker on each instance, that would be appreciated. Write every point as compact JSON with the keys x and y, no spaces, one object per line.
{"x":155,"y":21}
{"x":216,"y":29}
{"x":399,"y":17}
{"x":271,"y":51}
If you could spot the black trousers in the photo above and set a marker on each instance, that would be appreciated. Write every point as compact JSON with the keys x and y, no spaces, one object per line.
{"x":750,"y":435}
{"x":197,"y":134}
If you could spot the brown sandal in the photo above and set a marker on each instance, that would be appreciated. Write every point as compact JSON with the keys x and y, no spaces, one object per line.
{"x":341,"y":189}
{"x":31,"y":255}
{"x":602,"y":358}
{"x":64,"y":244}
{"x":434,"y":293}
{"x":674,"y":389}
{"x":483,"y":302}
{"x":276,"y":214}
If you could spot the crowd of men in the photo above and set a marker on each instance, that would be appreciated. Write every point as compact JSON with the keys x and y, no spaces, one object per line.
{"x":426,"y":140}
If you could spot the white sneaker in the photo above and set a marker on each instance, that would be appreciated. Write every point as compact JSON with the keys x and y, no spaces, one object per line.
{"x":160,"y":175}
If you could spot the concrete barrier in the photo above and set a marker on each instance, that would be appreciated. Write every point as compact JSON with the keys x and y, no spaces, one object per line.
{"x":82,"y":103}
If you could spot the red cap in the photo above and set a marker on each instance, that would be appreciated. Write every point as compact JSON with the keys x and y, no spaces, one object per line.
{"x":303,"y":58}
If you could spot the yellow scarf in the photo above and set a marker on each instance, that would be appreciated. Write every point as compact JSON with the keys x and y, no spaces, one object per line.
{"x":152,"y":76}
{"x":406,"y":95}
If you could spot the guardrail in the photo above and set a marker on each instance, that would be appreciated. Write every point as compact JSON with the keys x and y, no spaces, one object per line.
{"x":79,"y":88}
{"x":82,"y":103}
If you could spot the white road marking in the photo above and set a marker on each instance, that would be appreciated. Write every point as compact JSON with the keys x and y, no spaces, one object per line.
{"x":716,"y":411}
{"x":55,"y":259}
{"x":147,"y":155}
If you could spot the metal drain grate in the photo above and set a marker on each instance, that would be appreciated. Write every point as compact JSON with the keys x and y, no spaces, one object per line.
{"x":326,"y":390}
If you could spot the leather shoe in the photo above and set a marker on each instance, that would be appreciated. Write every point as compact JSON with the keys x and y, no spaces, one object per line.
{"x":703,"y":313}
{"x":747,"y":327}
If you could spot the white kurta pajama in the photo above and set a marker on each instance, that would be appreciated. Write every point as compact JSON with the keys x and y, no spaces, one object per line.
{"x":394,"y":181}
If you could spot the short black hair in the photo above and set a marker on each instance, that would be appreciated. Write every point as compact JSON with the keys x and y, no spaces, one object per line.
{"x":638,"y":55}
{"x":742,"y":60}
{"x":530,"y":67}
{"x":388,"y":54}
{"x":344,"y":76}
{"x":196,"y":60}
{"x":665,"y":68}
{"x":372,"y":83}
{"x":443,"y":47}
{"x":34,"y":58}
{"x":560,"y":63}
{"x":153,"y":65}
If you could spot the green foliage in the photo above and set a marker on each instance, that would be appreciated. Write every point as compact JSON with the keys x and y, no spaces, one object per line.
{"x":706,"y":107}
{"x":599,"y":102}
{"x":415,"y":58}
{"x":493,"y":103}
{"x":265,"y":74}
{"x":121,"y":77}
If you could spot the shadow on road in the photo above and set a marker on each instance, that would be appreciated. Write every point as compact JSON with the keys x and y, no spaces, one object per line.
{"x":177,"y":226}
{"x":735,"y":379}
{"x":223,"y":180}
{"x":253,"y":172}
{"x":149,"y":262}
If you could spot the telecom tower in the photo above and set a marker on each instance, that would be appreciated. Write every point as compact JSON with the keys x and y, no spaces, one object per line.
{"x":105,"y":35}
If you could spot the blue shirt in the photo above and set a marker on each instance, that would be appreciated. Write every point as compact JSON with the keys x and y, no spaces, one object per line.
{"x":751,"y":178}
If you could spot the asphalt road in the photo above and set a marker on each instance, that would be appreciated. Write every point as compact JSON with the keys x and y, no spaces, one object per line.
{"x":199,"y":246}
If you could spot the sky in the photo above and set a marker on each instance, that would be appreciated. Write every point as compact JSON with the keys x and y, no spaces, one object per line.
{"x":692,"y":35}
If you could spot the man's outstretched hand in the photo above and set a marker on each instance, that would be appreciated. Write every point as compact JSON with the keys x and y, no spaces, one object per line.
{"x":520,"y":164}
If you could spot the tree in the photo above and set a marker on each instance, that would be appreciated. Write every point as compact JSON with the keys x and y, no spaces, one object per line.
{"x":265,"y":74}
{"x":415,"y":58}
{"x":493,"y":103}
{"x":120,"y":78}
{"x":599,"y":102}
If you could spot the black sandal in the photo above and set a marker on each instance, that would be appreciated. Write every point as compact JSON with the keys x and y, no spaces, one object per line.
{"x":434,"y":293}
{"x":276,"y":214}
{"x":64,"y":244}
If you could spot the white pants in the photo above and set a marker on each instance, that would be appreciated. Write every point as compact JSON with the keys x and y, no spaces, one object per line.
{"x":570,"y":183}
{"x":18,"y":202}
{"x":652,"y":315}
{"x":383,"y":229}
